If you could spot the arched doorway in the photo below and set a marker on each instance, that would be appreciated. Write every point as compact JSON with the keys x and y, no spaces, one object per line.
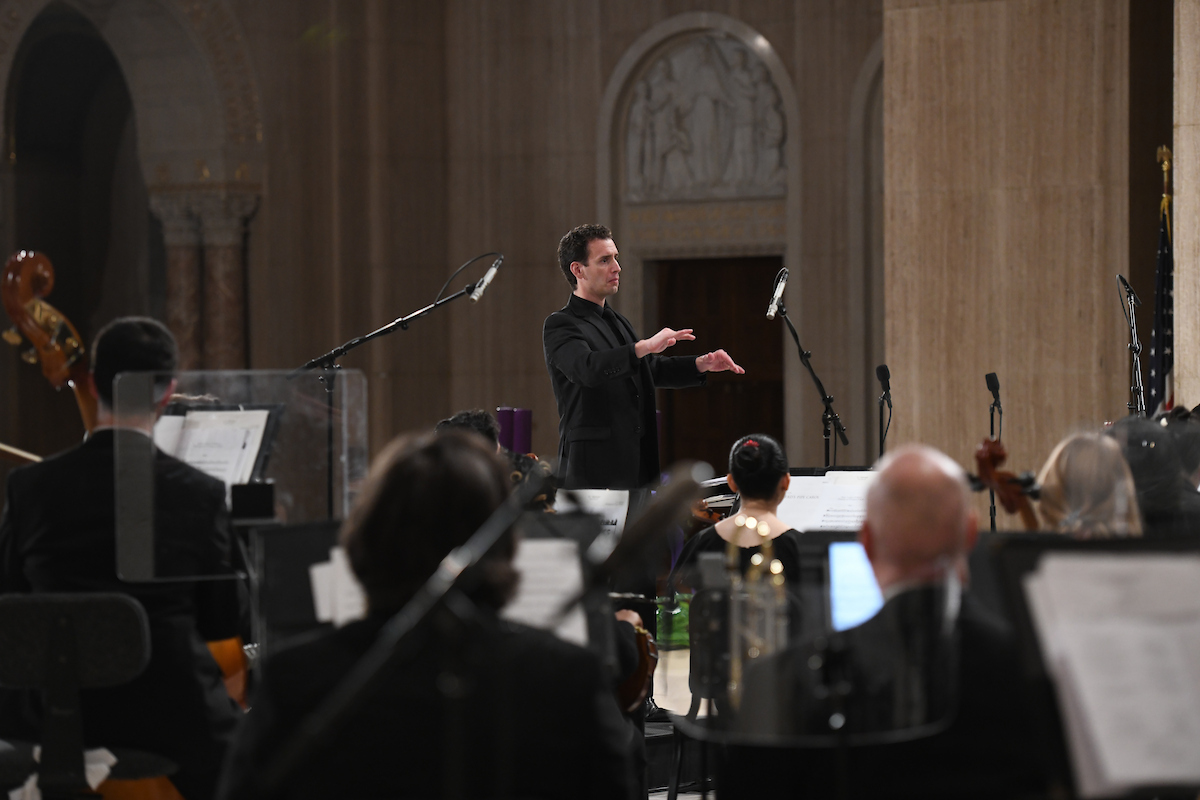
{"x":133,"y":157}
{"x":78,"y":195}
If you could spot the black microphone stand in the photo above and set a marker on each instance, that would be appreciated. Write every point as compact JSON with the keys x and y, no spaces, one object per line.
{"x":992,"y":410}
{"x":886,"y":397}
{"x":329,"y":367}
{"x":1137,"y":405}
{"x":829,"y":418}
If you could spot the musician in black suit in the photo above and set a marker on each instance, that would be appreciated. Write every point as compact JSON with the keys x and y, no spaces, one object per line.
{"x":58,"y":534}
{"x":944,"y":676}
{"x":493,"y":709}
{"x":604,"y":376}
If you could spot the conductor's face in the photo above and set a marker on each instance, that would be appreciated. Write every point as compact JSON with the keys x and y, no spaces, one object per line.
{"x":600,"y":277}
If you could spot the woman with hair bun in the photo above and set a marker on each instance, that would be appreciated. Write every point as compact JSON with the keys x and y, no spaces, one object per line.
{"x":758,"y":471}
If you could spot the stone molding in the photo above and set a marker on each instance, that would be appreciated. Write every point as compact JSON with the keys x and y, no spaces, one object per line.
{"x":223,"y":217}
{"x":181,"y":228}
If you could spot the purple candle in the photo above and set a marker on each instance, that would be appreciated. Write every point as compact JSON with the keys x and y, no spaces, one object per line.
{"x":522,"y":431}
{"x":504,"y":415}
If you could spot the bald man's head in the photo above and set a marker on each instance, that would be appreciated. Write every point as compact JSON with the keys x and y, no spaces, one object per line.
{"x":919,"y":517}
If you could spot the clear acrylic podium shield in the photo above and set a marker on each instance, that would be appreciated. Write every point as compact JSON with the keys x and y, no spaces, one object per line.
{"x":242,"y":427}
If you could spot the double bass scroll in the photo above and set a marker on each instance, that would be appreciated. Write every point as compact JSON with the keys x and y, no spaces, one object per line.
{"x":56,"y":344}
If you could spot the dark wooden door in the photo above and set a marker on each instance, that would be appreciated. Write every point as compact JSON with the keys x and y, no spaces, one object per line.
{"x":725,"y":301}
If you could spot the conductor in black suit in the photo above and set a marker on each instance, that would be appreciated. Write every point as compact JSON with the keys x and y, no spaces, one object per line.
{"x":604,"y":376}
{"x":57,"y":534}
{"x":940,"y":679}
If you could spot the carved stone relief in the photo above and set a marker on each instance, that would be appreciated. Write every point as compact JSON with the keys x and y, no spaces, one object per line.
{"x":705,"y":121}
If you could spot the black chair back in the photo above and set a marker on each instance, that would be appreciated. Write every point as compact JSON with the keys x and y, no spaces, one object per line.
{"x":59,"y":644}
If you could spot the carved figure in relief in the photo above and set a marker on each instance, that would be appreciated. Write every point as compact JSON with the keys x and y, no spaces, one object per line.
{"x":717,"y":130}
{"x":769,"y":125}
{"x":638,"y":142}
{"x":669,"y":142}
{"x":742,"y":91}
{"x":705,"y":107}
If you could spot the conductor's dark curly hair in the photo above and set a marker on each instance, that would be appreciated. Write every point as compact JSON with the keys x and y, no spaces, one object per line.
{"x":574,"y":247}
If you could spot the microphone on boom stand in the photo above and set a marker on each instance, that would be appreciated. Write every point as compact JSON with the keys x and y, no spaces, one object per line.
{"x":780,"y":285}
{"x":993,"y":385}
{"x":477,"y":292}
{"x":885,"y":381}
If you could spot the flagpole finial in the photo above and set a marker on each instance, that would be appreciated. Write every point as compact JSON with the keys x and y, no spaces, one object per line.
{"x":1164,"y":158}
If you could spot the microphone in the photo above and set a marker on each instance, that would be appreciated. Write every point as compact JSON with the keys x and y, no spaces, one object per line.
{"x":993,"y":384}
{"x":487,"y":278}
{"x":885,"y":380}
{"x":1129,"y":289}
{"x":780,"y":283}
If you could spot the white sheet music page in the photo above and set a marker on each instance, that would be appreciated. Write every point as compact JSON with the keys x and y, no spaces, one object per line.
{"x":551,"y":574}
{"x":800,"y":507}
{"x":836,"y":501}
{"x":1121,"y":636}
{"x":223,"y":443}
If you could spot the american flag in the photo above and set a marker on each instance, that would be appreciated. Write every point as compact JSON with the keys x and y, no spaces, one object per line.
{"x":1162,"y":336}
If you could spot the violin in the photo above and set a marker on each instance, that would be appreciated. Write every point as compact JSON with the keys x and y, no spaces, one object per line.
{"x":56,"y":344}
{"x":1010,"y":489}
{"x":633,"y":690}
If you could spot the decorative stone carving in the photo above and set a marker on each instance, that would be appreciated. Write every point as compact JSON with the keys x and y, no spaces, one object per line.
{"x":223,"y":216}
{"x":181,"y":228}
{"x":705,"y":121}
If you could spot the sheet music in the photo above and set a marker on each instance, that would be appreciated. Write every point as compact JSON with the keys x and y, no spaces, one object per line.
{"x":223,"y":444}
{"x":167,"y":431}
{"x":551,"y":574}
{"x":800,"y":506}
{"x":836,"y":501}
{"x":337,"y":595}
{"x":1121,"y":636}
{"x":610,"y":505}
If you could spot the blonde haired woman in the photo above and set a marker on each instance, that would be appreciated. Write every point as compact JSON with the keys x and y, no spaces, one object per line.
{"x":1088,"y":490}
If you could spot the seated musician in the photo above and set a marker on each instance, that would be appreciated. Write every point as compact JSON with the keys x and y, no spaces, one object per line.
{"x":475,"y":419}
{"x":1169,"y":504}
{"x":1087,"y":489}
{"x":507,"y":710}
{"x":58,"y":535}
{"x":758,"y":471}
{"x":918,"y":530}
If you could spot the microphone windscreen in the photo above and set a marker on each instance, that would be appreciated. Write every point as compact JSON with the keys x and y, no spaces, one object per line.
{"x":993,"y":383}
{"x":883,"y":374}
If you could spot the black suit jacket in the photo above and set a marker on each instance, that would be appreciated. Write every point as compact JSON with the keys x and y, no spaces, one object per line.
{"x":987,"y":749}
{"x":57,"y":535}
{"x":537,"y":720}
{"x":607,"y":430}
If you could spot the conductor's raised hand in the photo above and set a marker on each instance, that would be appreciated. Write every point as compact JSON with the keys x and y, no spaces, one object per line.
{"x":662,"y":340}
{"x":718,"y":361}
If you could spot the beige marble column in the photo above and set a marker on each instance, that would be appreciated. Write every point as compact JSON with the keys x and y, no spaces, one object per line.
{"x":1006,"y":218}
{"x":181,"y":234}
{"x":1186,"y":219}
{"x":222,"y":225}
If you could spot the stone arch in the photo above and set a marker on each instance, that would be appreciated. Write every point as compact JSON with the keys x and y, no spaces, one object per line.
{"x":193,"y":89}
{"x":199,"y":135}
{"x":772,"y":227}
